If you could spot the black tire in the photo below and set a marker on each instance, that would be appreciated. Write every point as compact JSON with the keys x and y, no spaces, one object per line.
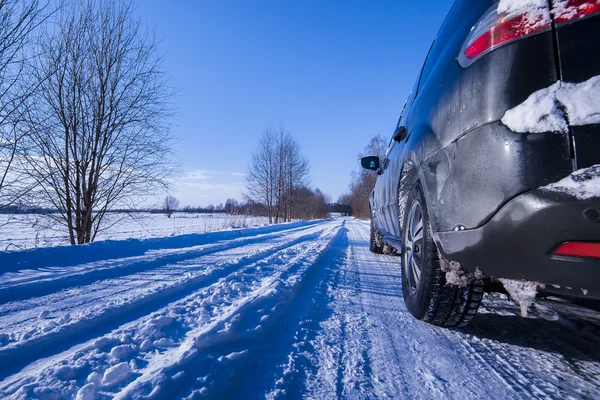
{"x":427,"y":295}
{"x":373,"y":240}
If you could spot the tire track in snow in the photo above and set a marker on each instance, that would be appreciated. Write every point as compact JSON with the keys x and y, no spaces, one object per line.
{"x":31,"y":309}
{"x":542,"y":360}
{"x":323,"y":318}
{"x":52,"y":279}
{"x":329,"y":357}
{"x":354,"y":368}
{"x":15,"y":357}
{"x":297,"y":356}
{"x":407,"y":359}
{"x":357,"y":242}
{"x":204,"y":315}
{"x":236,"y":334}
{"x":500,"y":354}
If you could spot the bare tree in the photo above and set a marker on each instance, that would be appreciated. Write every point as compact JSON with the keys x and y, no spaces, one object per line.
{"x":364,"y":180}
{"x":18,"y":20}
{"x":343,"y":204}
{"x":99,"y":125}
{"x":170,"y":204}
{"x":296,"y":174}
{"x":310,"y":204}
{"x":231,"y":206}
{"x":262,"y":171}
{"x":276,"y":169}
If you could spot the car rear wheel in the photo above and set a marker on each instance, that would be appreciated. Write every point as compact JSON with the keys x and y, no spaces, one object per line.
{"x":427,"y":295}
{"x":373,"y":246}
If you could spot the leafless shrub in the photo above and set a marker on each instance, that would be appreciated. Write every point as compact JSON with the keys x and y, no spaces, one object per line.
{"x":170,"y":204}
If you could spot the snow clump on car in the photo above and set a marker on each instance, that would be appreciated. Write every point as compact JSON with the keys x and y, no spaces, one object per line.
{"x":583,"y":184}
{"x":552,"y":109}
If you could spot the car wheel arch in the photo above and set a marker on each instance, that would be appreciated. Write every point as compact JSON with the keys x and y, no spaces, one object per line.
{"x":408,"y":177}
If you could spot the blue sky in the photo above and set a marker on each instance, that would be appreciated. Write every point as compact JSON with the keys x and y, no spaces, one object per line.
{"x":335,"y":73}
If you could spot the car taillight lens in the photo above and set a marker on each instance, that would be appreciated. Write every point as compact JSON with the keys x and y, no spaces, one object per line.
{"x":570,"y":10}
{"x":579,"y":249}
{"x":498,"y":27}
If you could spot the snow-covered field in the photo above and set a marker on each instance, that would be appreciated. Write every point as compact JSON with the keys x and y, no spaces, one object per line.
{"x":25,"y":231}
{"x":300,"y":310}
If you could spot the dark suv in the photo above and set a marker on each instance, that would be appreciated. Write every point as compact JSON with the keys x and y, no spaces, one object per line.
{"x":493,"y":171}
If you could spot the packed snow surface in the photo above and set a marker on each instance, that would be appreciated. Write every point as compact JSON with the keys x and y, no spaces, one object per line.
{"x":300,"y":310}
{"x":583,"y":184}
{"x":549,"y":109}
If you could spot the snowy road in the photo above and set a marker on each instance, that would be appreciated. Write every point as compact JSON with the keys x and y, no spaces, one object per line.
{"x":295,"y":311}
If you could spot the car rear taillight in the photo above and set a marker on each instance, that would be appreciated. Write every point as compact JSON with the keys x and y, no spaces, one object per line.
{"x":579,"y":249}
{"x":570,"y":10}
{"x":501,"y":25}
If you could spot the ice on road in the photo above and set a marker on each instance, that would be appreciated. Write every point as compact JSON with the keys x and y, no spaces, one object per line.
{"x":299,"y":310}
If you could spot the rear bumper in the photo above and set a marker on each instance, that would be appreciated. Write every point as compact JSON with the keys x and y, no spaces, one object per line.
{"x":518,"y":241}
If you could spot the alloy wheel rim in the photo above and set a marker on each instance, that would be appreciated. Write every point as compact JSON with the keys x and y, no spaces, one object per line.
{"x":413,"y":247}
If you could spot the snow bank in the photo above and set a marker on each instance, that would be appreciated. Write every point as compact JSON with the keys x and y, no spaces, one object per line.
{"x":112,"y":249}
{"x":184,"y":335}
{"x":23,"y":231}
{"x":583,"y":184}
{"x":548,"y":109}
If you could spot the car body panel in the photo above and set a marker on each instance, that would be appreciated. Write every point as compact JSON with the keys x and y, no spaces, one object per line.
{"x":579,"y":58}
{"x":450,"y":103}
{"x":477,"y":174}
{"x":524,"y":236}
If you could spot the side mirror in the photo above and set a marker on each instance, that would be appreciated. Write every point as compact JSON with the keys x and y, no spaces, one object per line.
{"x":400,"y":133}
{"x":370,"y":162}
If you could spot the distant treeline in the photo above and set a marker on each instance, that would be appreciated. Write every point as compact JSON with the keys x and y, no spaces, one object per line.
{"x":278,"y":181}
{"x":363,"y":182}
{"x":230,"y":207}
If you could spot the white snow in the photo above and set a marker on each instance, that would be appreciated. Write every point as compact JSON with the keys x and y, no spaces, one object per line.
{"x":121,"y":352}
{"x":301,"y":310}
{"x":539,"y":113}
{"x":565,"y":9}
{"x":523,"y":292}
{"x":583,"y":183}
{"x":103,"y":342}
{"x":116,"y":374}
{"x":146,"y":345}
{"x":581,"y":101}
{"x":94,"y":378}
{"x":26,"y":231}
{"x":455,"y":275}
{"x":87,"y":392}
{"x":536,"y":12}
{"x":65,"y":373}
{"x":549,"y":109}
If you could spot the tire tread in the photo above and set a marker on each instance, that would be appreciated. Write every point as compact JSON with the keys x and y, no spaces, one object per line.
{"x":444,"y":304}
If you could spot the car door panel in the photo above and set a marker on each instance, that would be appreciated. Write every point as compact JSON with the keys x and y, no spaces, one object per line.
{"x":392,"y":178}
